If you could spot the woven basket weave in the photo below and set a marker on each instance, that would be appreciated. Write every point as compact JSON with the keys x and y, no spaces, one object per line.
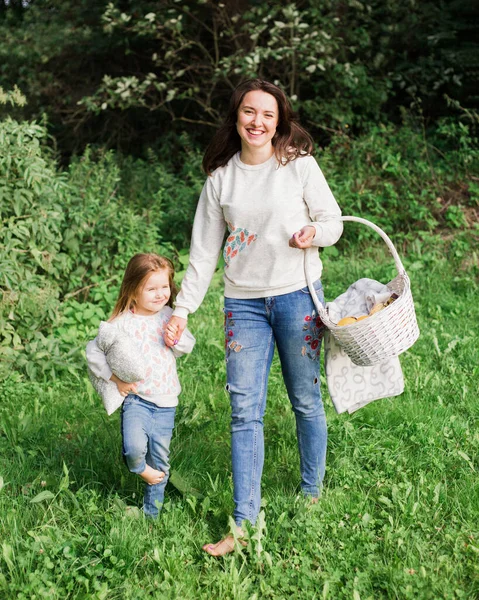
{"x":387,"y":333}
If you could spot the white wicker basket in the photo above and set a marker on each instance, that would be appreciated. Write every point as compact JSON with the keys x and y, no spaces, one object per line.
{"x":386,"y":333}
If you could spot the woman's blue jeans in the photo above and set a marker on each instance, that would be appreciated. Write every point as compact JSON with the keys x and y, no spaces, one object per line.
{"x":146,"y":430}
{"x":252,"y":327}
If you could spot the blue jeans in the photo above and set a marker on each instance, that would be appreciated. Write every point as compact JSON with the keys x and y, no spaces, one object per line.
{"x":252,"y":327}
{"x":146,"y":430}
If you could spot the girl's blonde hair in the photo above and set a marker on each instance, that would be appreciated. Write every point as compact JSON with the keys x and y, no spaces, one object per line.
{"x":136,"y":274}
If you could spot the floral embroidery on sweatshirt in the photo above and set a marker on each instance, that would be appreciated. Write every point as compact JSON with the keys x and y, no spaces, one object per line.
{"x":236,"y":242}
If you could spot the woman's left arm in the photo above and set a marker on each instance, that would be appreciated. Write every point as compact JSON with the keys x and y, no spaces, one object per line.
{"x":323,"y":208}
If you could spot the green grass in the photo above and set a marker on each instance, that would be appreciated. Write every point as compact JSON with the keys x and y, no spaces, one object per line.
{"x":399,"y":516}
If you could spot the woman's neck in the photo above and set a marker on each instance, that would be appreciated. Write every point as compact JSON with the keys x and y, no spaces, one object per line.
{"x":256,"y":156}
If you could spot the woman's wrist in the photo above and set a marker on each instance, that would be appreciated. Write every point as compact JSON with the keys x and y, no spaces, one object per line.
{"x":181,"y":313}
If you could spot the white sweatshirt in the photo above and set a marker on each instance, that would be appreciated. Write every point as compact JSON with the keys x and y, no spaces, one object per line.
{"x":262,"y":206}
{"x":161,"y":385}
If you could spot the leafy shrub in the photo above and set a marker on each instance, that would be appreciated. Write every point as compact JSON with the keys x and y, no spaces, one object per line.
{"x":404,"y":179}
{"x":103,"y":231}
{"x":31,"y":198}
{"x":167,"y":182}
{"x":62,"y":235}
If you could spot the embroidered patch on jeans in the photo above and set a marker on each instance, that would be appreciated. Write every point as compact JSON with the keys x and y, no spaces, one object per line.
{"x":236,"y":242}
{"x":314,"y":329}
{"x":231,"y":345}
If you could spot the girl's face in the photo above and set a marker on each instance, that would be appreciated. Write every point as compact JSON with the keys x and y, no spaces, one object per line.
{"x":154,"y":295}
{"x":257,"y":119}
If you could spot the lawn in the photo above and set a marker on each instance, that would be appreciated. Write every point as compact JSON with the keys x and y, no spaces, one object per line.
{"x":398,"y":518}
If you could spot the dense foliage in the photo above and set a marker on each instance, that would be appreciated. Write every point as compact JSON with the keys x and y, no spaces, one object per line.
{"x":125,"y":73}
{"x":62,"y":233}
{"x":67,"y":234}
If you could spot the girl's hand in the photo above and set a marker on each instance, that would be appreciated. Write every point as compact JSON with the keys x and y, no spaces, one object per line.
{"x":174,"y":330}
{"x":123,"y":387}
{"x":303,"y":238}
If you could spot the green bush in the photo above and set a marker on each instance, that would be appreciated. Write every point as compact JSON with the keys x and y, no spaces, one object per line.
{"x":167,"y":182}
{"x":63,"y":234}
{"x":404,"y":179}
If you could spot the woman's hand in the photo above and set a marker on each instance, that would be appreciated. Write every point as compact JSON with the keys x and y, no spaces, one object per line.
{"x":174,"y":330}
{"x":123,"y":387}
{"x":303,"y":238}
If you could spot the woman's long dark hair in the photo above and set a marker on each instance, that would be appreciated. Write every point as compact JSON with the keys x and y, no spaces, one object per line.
{"x":289,"y":141}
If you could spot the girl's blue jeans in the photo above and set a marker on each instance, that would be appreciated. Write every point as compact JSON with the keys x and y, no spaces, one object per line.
{"x":146,"y":430}
{"x":252,"y":328}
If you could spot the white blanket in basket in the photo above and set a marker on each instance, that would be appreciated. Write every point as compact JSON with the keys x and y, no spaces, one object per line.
{"x":358,"y":299}
{"x":351,"y":386}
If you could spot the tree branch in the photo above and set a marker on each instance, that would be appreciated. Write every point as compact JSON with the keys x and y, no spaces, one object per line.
{"x":87,"y":287}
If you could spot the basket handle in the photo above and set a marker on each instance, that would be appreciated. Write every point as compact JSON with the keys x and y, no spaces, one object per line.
{"x":399,"y":266}
{"x":322,"y":312}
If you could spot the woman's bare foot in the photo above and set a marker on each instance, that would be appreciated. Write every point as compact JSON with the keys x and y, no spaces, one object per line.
{"x":152,"y":476}
{"x":224,"y":546}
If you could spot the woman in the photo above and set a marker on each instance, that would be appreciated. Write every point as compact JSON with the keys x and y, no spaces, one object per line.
{"x":267,"y":189}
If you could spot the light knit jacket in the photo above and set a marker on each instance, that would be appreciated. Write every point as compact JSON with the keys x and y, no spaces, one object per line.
{"x":261,"y":206}
{"x":161,"y":385}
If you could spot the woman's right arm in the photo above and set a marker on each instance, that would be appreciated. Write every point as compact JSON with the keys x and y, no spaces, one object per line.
{"x":206,"y":241}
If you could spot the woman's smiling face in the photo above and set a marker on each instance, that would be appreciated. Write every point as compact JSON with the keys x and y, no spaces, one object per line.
{"x":257,"y":119}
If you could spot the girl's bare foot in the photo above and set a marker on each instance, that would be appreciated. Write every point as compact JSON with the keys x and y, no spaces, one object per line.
{"x":152,"y":476}
{"x":224,"y":546}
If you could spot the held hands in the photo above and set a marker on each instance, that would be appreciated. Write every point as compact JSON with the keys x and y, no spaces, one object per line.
{"x":303,"y":238}
{"x":123,"y":387}
{"x":174,"y":330}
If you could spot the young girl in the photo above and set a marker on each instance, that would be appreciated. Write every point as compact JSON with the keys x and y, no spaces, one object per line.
{"x":142,"y":311}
